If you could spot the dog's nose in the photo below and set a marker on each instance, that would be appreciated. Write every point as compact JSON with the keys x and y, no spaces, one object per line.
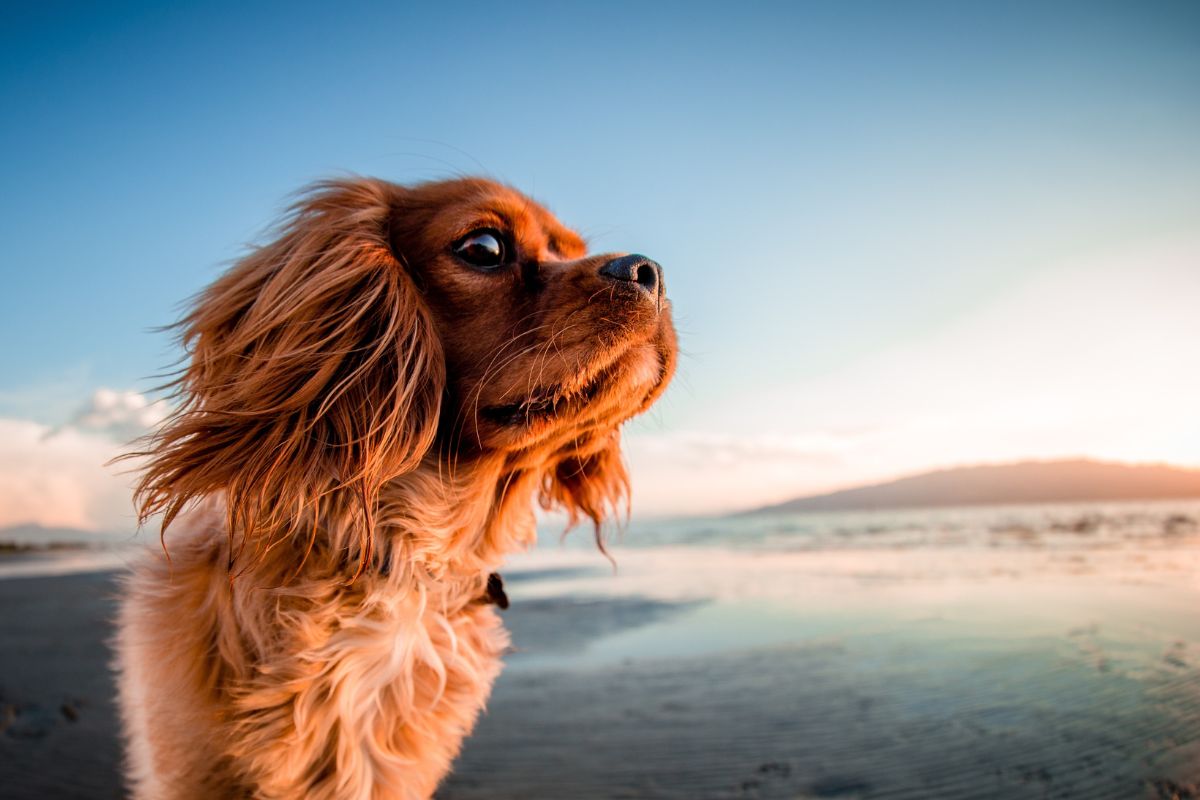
{"x":635,"y":269}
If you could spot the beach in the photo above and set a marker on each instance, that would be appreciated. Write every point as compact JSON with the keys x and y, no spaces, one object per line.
{"x":58,"y":728}
{"x":1040,"y":654}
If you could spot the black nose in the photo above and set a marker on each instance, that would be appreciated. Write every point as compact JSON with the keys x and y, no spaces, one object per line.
{"x":635,"y":269}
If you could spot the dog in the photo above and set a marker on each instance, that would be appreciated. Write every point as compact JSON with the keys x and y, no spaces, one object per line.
{"x":370,"y":406}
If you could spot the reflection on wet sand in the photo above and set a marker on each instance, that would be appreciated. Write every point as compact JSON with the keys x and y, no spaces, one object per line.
{"x":990,"y":653}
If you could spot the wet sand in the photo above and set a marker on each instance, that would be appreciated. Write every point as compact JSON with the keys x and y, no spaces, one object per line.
{"x":865,"y":719}
{"x":58,"y":731}
{"x":808,"y":723}
{"x":719,"y":675}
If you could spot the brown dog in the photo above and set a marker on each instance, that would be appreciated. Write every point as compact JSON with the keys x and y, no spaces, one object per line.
{"x":372,"y":403}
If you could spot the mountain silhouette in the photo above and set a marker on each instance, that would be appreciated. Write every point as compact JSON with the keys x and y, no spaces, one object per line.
{"x":1026,"y":482}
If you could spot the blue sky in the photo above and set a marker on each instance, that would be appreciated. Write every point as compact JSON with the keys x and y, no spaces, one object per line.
{"x":826,"y":185}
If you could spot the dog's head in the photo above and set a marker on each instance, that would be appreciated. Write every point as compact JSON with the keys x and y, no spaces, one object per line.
{"x":389,"y":326}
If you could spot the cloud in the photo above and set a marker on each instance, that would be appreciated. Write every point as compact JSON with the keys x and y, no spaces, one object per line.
{"x":61,"y":476}
{"x":695,"y":472}
{"x":61,"y":480}
{"x":118,"y":415}
{"x":818,"y":448}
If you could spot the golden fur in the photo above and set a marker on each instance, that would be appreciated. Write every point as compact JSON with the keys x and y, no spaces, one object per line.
{"x":363,"y":425}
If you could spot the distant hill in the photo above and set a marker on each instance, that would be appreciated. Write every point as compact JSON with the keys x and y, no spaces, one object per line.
{"x":1026,"y":482}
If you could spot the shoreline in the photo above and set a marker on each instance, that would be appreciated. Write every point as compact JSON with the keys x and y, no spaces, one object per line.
{"x":703,"y":673}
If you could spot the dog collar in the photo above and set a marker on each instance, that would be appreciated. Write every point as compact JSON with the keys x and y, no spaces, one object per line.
{"x":495,"y":592}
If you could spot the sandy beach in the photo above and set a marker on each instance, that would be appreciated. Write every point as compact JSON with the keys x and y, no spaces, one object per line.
{"x":58,"y":728}
{"x":1027,"y":666}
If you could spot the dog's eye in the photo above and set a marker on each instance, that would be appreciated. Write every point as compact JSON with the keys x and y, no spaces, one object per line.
{"x":483,"y":249}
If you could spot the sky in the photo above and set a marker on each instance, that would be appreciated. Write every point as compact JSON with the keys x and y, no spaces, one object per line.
{"x":896,"y":236}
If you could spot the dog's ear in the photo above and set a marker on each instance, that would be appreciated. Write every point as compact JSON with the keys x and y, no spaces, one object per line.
{"x":591,"y":482}
{"x":315,"y":375}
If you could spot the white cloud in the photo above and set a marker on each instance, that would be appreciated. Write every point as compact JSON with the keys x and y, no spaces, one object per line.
{"x":119,"y":415}
{"x":61,"y":480}
{"x":686,"y":446}
{"x":693,"y":472}
{"x":61,"y":476}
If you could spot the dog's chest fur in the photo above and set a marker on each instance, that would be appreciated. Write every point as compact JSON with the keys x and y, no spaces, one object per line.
{"x":317,"y":690}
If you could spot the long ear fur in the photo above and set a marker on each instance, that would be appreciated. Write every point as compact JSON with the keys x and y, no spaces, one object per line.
{"x":590,"y":483}
{"x":315,"y":376}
